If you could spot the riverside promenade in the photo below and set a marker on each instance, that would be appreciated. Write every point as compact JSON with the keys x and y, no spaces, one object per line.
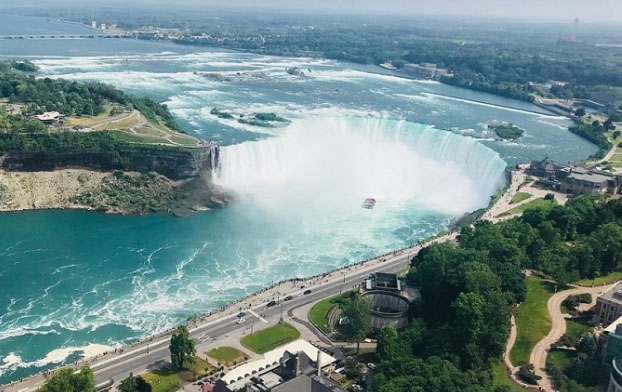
{"x":221,"y":323}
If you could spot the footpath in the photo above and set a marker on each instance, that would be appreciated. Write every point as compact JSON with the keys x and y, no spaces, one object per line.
{"x":540,"y":351}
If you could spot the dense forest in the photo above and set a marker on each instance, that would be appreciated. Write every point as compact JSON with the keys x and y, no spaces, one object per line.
{"x":468,"y":291}
{"x":19,"y":84}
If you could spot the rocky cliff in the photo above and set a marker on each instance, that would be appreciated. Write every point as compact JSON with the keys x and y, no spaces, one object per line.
{"x":175,"y":163}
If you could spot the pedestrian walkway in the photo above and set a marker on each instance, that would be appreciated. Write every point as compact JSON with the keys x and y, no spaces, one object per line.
{"x":558,"y":328}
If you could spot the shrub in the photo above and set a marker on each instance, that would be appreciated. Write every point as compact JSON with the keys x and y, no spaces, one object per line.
{"x":527,"y":374}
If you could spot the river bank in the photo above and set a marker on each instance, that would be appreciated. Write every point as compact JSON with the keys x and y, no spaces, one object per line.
{"x":116,"y":192}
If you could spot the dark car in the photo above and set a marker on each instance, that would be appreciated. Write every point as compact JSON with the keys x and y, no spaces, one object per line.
{"x":289,"y":297}
{"x":307,"y":292}
{"x":271,"y":304}
{"x":241,"y":314}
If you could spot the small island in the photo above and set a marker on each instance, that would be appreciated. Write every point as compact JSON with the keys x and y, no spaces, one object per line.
{"x":507,"y":131}
{"x":262,"y":120}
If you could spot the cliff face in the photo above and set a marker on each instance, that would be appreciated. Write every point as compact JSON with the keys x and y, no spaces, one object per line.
{"x":174,"y":163}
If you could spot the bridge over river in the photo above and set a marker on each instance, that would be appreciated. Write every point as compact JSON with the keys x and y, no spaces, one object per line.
{"x":62,"y":36}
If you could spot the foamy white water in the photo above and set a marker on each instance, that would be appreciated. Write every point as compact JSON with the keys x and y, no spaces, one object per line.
{"x":331,"y":164}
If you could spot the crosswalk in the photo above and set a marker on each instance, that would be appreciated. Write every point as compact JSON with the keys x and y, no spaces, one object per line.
{"x":263,"y":320}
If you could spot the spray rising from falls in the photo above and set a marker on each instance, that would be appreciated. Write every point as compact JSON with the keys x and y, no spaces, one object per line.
{"x":330,"y":164}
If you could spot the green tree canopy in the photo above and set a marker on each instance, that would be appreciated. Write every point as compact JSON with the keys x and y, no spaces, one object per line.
{"x":356,"y":315}
{"x":182,"y":347}
{"x":66,"y":380}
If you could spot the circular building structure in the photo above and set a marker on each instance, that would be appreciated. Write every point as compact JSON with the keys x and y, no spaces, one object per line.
{"x":387,"y":308}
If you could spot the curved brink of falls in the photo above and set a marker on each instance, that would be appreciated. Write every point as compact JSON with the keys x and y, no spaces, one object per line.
{"x":332,"y":162}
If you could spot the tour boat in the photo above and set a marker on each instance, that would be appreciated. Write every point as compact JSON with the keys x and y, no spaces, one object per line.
{"x":369,"y":203}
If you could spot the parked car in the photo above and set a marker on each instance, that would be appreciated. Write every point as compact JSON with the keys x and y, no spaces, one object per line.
{"x":241,"y":314}
{"x":289,"y":297}
{"x":356,"y":388}
{"x":307,"y":292}
{"x":371,"y":366}
{"x":271,"y":304}
{"x":241,"y":320}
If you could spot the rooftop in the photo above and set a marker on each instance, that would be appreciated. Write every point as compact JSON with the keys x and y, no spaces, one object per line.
{"x":304,"y":383}
{"x":614,"y":294}
{"x":382,"y":281}
{"x":48,"y":116}
{"x":583,"y":174}
{"x":273,"y":358}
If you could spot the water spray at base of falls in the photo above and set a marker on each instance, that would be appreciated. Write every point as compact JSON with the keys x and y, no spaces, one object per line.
{"x":330,"y":163}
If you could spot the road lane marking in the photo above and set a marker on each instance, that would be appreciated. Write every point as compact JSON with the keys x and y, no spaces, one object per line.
{"x":263,"y":320}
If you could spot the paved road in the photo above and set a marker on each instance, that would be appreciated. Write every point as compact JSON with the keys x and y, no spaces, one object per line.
{"x":156,"y":353}
{"x":558,"y":328}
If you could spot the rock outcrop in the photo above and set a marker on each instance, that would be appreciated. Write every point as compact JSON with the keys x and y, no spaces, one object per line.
{"x":176,"y":163}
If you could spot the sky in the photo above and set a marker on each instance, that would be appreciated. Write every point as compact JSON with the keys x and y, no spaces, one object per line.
{"x":607,"y":10}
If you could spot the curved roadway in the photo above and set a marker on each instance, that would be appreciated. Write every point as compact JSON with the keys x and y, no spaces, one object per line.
{"x":558,"y":328}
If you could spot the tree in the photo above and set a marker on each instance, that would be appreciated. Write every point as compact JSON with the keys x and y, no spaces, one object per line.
{"x":353,"y":368}
{"x":387,"y":342}
{"x":128,"y":384}
{"x":66,"y":381}
{"x":134,"y":384}
{"x":356,"y":314}
{"x":587,"y":344}
{"x":182,"y":347}
{"x":606,"y":241}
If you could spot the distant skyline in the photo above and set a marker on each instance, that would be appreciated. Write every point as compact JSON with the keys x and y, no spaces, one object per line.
{"x":606,"y":10}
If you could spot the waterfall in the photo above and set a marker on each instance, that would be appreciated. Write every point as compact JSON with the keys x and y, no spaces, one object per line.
{"x":364,"y":156}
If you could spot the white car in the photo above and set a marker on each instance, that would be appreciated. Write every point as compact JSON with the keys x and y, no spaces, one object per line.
{"x":241,"y":320}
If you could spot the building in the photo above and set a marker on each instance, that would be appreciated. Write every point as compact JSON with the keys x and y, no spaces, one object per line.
{"x":426,"y":70}
{"x":389,"y":300}
{"x":615,"y":378}
{"x":574,"y":180}
{"x":577,"y":180}
{"x":51,"y":118}
{"x":545,"y":168}
{"x":285,"y":369}
{"x":383,"y":281}
{"x":94,"y":24}
{"x":610,"y":343}
{"x":608,"y":306}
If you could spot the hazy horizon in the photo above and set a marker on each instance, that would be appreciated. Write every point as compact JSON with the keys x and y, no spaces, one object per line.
{"x":599,"y":10}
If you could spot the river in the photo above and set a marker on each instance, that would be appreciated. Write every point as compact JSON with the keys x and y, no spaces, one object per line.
{"x":70,"y":279}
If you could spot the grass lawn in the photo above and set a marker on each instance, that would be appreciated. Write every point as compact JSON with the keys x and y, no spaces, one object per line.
{"x":533,"y":321}
{"x":501,"y":378}
{"x":560,"y":358}
{"x":184,"y":140}
{"x":168,"y":380}
{"x":118,"y":122}
{"x":616,"y":157}
{"x":576,"y":327}
{"x":226,"y":355}
{"x":87,"y":121}
{"x":270,"y":338}
{"x":163,"y":380}
{"x":319,"y":312}
{"x":135,"y":138}
{"x":601,"y":280}
{"x":533,"y":204}
{"x":520,"y":196}
{"x":198,"y":367}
